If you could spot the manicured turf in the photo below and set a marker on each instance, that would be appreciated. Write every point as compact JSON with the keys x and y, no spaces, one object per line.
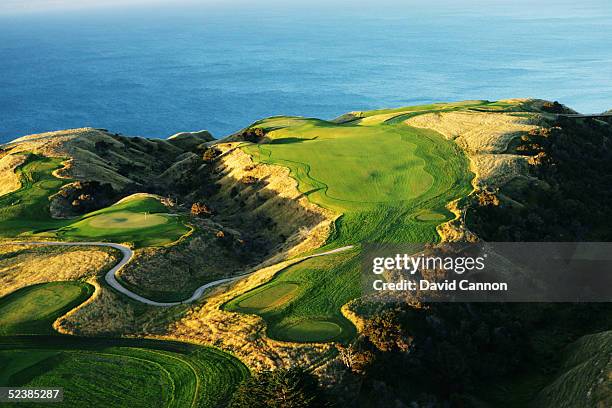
{"x":302,"y":303}
{"x":25,"y":212}
{"x":430,"y":216}
{"x":27,"y":209}
{"x":121,"y":372}
{"x":271,"y":296}
{"x":391,"y":183}
{"x":32,"y":310}
{"x":105,"y":372}
{"x":140,"y":219}
{"x":313,"y":330}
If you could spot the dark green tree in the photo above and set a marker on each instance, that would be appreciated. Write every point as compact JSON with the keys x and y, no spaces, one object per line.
{"x":281,"y":388}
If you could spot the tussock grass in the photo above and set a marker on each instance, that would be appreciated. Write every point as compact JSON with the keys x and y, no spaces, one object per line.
{"x":25,"y":265}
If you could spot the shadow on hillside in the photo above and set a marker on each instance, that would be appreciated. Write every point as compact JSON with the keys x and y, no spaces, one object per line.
{"x":290,"y":140}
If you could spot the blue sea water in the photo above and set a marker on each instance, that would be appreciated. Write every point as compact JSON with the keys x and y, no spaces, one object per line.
{"x":157,"y":71}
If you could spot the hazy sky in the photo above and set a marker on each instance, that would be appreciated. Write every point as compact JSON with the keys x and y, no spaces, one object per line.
{"x":526,"y":7}
{"x":18,"y":6}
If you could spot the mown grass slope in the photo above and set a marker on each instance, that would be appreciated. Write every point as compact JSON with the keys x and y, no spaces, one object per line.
{"x":33,"y":309}
{"x":105,"y":372}
{"x":27,"y":209}
{"x":302,"y":303}
{"x":121,"y":372}
{"x":141,"y":220}
{"x":391,"y":183}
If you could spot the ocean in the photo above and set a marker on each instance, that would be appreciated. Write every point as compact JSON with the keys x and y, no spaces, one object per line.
{"x":156,"y":71}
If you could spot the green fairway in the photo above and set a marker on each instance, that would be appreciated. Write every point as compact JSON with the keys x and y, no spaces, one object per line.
{"x":141,"y":220}
{"x":391,"y":183}
{"x":379,"y":177}
{"x":32,"y":310}
{"x":302,"y":303}
{"x":312,"y":330}
{"x":271,"y":296}
{"x":27,"y":209}
{"x":121,"y":372}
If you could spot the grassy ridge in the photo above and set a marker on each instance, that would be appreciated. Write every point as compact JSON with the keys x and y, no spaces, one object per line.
{"x":25,"y":212}
{"x":391,"y":183}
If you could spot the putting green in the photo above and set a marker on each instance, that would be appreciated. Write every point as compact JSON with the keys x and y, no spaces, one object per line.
{"x":270,"y":297}
{"x":430,"y":216}
{"x":138,"y":219}
{"x":126,"y":220}
{"x":312,"y":330}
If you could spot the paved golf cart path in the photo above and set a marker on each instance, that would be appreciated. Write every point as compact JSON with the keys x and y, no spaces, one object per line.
{"x":127,"y":253}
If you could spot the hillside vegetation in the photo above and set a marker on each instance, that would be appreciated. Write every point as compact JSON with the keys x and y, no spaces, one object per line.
{"x":389,"y":181}
{"x":257,"y":204}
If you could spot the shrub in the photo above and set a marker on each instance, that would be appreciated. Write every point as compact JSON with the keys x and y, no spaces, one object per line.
{"x":254,"y":135}
{"x":200,"y":209}
{"x":210,"y":154}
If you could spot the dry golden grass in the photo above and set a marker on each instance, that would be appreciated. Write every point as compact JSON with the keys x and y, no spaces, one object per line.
{"x":485,"y":137}
{"x":495,"y":170}
{"x":51,"y":143}
{"x":305,"y":224}
{"x":477,"y":132}
{"x":9,"y":181}
{"x":108,"y":313}
{"x":24,"y":265}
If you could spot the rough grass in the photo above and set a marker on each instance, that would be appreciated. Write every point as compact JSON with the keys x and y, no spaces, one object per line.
{"x":390,"y":182}
{"x":9,"y":180}
{"x":25,"y":265}
{"x":25,"y":212}
{"x":33,"y":309}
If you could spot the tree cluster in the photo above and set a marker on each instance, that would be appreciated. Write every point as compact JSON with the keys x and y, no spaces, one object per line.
{"x":293,"y":388}
{"x":253,"y":135}
{"x":87,"y":196}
